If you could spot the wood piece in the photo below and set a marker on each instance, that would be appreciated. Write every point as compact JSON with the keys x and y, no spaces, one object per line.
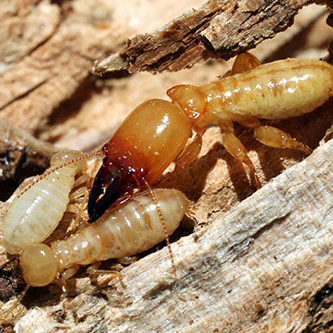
{"x":24,"y":26}
{"x":217,"y":29}
{"x":212,"y":183}
{"x":113,"y":98}
{"x":46,"y":68}
{"x":263,"y":265}
{"x":48,"y":47}
{"x":21,"y":156}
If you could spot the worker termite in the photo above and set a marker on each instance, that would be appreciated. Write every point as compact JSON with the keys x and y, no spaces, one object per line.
{"x":38,"y":208}
{"x":156,"y":132}
{"x":124,"y":231}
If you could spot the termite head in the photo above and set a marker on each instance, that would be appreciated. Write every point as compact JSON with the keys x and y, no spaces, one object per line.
{"x":39,"y":266}
{"x":190,"y":99}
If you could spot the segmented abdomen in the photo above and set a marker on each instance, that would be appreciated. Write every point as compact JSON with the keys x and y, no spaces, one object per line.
{"x":277,"y":90}
{"x":34,"y":215}
{"x":124,"y":231}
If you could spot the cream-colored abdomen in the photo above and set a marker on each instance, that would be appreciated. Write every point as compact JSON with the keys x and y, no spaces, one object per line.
{"x":276,"y":90}
{"x":125,"y":231}
{"x":35,"y":213}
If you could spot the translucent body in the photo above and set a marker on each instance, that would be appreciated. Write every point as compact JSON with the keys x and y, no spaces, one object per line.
{"x":277,"y":90}
{"x":38,"y":265}
{"x":124,"y":231}
{"x":248,"y":93}
{"x":37,"y":210}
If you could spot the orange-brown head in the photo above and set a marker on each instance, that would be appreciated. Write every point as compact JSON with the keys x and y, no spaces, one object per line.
{"x":190,"y":99}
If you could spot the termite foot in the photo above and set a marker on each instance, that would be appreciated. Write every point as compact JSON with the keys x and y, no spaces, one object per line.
{"x":94,"y":271}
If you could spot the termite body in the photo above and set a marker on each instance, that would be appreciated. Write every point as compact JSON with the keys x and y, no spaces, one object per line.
{"x":38,"y":208}
{"x":124,"y":231}
{"x":157,"y":131}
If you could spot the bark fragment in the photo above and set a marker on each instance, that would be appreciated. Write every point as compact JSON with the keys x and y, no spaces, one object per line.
{"x":217,"y":29}
{"x":265,"y":264}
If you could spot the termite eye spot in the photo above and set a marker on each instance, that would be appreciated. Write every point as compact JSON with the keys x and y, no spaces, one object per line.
{"x":189,"y":98}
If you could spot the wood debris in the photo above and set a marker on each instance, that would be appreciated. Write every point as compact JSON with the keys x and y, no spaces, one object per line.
{"x":256,"y":261}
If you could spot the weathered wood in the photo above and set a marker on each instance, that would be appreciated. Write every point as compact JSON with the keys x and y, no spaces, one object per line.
{"x":260,"y":266}
{"x":217,"y":29}
{"x":45,"y":57}
{"x":21,"y":156}
{"x":45,"y":85}
{"x":222,"y":248}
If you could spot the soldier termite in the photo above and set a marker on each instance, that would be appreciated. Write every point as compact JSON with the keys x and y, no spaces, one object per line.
{"x":124,"y":231}
{"x":157,"y":131}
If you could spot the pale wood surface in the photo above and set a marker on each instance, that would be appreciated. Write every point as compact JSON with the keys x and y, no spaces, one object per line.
{"x":258,"y":267}
{"x":264,"y":264}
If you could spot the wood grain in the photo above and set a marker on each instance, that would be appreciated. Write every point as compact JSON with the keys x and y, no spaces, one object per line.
{"x":220,"y":29}
{"x":255,"y":261}
{"x":258,"y":267}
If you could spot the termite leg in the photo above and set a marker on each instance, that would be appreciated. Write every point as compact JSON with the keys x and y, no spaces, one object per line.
{"x":94,"y":270}
{"x":189,"y":154}
{"x":66,"y":275}
{"x":236,"y":149}
{"x":83,"y":179}
{"x":274,"y":137}
{"x":75,"y":196}
{"x":78,"y":193}
{"x":271,"y":136}
{"x":243,"y":63}
{"x":81,"y":217}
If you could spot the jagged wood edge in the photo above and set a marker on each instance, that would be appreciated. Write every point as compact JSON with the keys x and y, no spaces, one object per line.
{"x":260,"y":266}
{"x":217,"y":29}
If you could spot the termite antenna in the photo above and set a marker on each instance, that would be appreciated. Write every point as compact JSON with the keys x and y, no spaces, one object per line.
{"x":19,"y":299}
{"x":53,"y":169}
{"x":160,"y":214}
